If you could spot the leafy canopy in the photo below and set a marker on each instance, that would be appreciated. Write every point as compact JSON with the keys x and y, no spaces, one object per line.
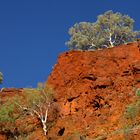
{"x":110,"y":29}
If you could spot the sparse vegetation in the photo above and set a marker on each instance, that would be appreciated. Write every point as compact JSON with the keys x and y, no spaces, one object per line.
{"x":37,"y":103}
{"x":133,"y":110}
{"x":8,"y":116}
{"x":129,"y":121}
{"x":7,"y":111}
{"x":110,"y":29}
{"x":138,"y":92}
{"x":131,"y":114}
{"x":34,"y":102}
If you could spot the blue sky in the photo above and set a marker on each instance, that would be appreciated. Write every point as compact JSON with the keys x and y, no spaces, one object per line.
{"x":33,"y":33}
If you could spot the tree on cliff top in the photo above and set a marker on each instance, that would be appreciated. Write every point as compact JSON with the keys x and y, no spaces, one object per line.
{"x":110,"y":29}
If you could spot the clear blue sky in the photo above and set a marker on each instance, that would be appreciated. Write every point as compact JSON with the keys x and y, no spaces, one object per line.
{"x":33,"y":33}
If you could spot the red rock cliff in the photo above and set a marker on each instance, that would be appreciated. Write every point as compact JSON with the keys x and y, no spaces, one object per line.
{"x":92,"y":90}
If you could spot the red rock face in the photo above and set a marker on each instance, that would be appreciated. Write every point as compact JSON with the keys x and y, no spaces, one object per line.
{"x":92,"y":90}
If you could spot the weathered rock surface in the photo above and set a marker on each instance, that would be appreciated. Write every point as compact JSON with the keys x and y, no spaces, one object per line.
{"x":92,"y":90}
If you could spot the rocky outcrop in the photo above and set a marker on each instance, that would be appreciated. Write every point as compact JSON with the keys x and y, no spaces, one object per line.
{"x":92,"y":90}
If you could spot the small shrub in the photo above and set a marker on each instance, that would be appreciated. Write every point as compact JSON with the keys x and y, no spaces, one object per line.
{"x":8,"y":116}
{"x":7,"y":111}
{"x":138,"y":92}
{"x":131,"y":111}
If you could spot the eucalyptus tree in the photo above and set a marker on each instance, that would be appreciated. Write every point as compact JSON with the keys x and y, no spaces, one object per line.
{"x":110,"y":29}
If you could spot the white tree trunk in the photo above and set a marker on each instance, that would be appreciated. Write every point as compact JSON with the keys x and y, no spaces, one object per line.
{"x":110,"y":41}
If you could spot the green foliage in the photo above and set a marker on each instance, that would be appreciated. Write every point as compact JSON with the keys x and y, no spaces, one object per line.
{"x":7,"y":111}
{"x":133,"y":110}
{"x":110,"y":29}
{"x":1,"y":77}
{"x":37,"y":96}
{"x":35,"y":102}
{"x":31,"y":96}
{"x":30,"y":99}
{"x":138,"y":92}
{"x":38,"y":102}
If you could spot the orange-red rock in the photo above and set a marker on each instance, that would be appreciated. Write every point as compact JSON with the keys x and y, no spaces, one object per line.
{"x":92,"y":89}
